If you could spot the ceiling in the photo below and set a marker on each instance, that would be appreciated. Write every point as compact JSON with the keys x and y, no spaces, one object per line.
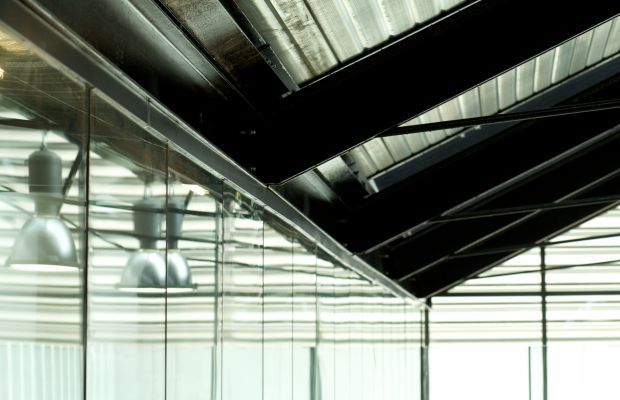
{"x":353,"y":111}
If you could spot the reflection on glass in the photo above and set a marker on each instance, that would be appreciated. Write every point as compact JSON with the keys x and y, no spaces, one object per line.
{"x":326,"y":326}
{"x":242,"y":302}
{"x":413,"y":332}
{"x":41,"y":226}
{"x":305,"y":378}
{"x":127,"y":308}
{"x":44,"y":243}
{"x":278,"y":311}
{"x":342,"y":367}
{"x":194,"y":291}
{"x":192,"y":231}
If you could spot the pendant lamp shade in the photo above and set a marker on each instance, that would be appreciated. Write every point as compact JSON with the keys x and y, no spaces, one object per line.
{"x":44,"y":243}
{"x":147,"y":270}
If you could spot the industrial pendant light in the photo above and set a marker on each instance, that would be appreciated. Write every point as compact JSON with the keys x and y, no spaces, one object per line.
{"x":147,"y":270}
{"x":44,"y":243}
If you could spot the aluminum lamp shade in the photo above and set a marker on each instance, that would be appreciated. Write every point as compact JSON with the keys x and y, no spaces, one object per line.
{"x":44,"y":242}
{"x":179,"y":275}
{"x":147,"y":270}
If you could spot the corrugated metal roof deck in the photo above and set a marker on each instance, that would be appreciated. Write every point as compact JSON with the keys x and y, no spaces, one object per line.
{"x":313,"y":36}
{"x":494,"y":96}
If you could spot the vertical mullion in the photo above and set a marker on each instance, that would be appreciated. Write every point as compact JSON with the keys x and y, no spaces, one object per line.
{"x":165,"y":217}
{"x":424,"y":351}
{"x":263,"y":315}
{"x":529,"y":373}
{"x":219,"y":210}
{"x":85,"y":188}
{"x":543,"y":288}
{"x":292,"y":376}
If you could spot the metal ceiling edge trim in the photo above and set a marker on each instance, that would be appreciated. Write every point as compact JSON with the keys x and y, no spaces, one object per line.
{"x":82,"y":60}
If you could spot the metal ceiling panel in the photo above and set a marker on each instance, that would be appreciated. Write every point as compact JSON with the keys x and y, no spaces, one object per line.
{"x":506,"y":90}
{"x":363,"y":160}
{"x":400,"y":78}
{"x":314,"y":36}
{"x":237,"y":53}
{"x":379,"y":153}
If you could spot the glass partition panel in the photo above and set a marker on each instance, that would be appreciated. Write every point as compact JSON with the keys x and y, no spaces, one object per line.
{"x":583,"y":370}
{"x":193,"y":221}
{"x":413,"y":343}
{"x":374,"y":346}
{"x":489,"y":326}
{"x":326,"y":326}
{"x":127,"y":275}
{"x":355,"y":322}
{"x":393,"y":362}
{"x":342,"y":368}
{"x":278,"y":310}
{"x":242,"y":302}
{"x":369,"y":337}
{"x":397,"y":347}
{"x":582,"y":308}
{"x":43,"y":130}
{"x":305,"y":368}
{"x":381,"y":350}
{"x":115,"y":245}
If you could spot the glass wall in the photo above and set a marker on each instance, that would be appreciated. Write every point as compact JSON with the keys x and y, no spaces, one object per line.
{"x":129,"y":271}
{"x":486,"y":337}
{"x":583,"y":305}
{"x":43,"y":125}
{"x":541,"y":325}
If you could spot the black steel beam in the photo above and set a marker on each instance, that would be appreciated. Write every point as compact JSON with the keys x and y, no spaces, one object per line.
{"x":410,"y":76}
{"x":595,"y":169}
{"x":486,"y":213}
{"x":453,"y":271}
{"x":149,"y":46}
{"x":495,"y":166}
{"x":533,"y":293}
{"x":524,"y":232}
